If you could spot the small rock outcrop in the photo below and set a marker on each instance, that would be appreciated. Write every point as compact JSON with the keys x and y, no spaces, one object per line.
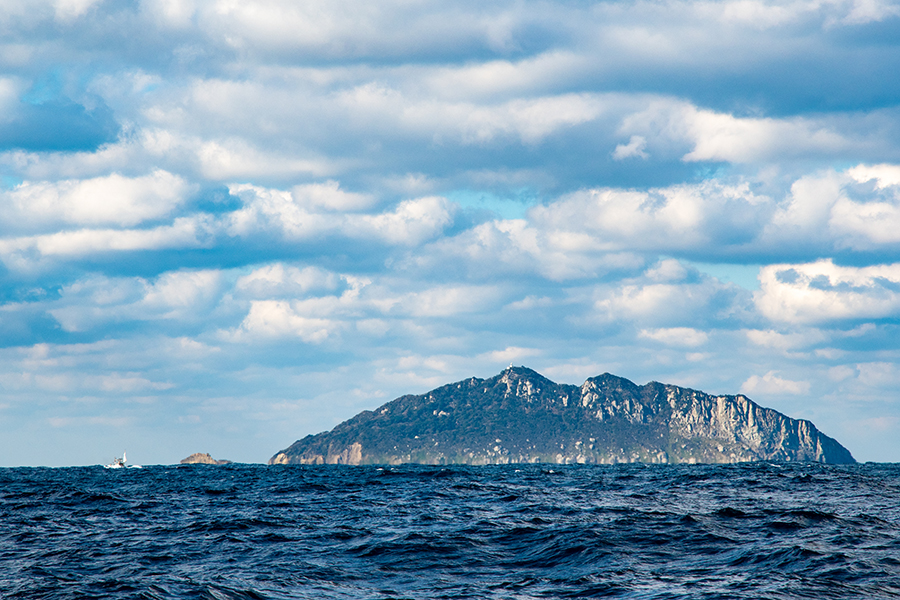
{"x":201,"y":458}
{"x":520,"y":416}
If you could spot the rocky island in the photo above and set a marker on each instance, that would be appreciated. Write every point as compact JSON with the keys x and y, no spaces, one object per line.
{"x":520,"y":416}
{"x":202,"y":458}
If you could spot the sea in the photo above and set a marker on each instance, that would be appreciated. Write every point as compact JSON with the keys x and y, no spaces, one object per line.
{"x":755,"y":531}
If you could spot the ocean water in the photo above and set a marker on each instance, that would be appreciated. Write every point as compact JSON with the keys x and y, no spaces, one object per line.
{"x":517,"y":531}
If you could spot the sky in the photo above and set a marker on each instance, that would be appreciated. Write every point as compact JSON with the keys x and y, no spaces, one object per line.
{"x":225,"y":225}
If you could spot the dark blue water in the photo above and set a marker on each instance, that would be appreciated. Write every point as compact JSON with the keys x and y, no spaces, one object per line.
{"x":627,"y":531}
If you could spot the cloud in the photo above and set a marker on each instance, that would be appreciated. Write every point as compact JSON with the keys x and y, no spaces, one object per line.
{"x":296,"y":217}
{"x":129,"y":383}
{"x":525,"y":246}
{"x":178,"y":296}
{"x":576,"y":234}
{"x":221,"y":160}
{"x":786,"y":341}
{"x":493,"y":78}
{"x":110,"y":200}
{"x":449,"y":300}
{"x":771,"y":384}
{"x":719,"y":137}
{"x":885,"y":175}
{"x":511,"y":354}
{"x":680,"y":217}
{"x":530,"y":120}
{"x":216,"y":158}
{"x":676,"y":336}
{"x":822,"y":292}
{"x":330,"y":196}
{"x":883,"y":375}
{"x":31,"y":253}
{"x":70,"y":9}
{"x":634,"y":148}
{"x":822,"y":208}
{"x":868,"y":11}
{"x":279,"y":280}
{"x":366,"y":307}
{"x":665,"y":303}
{"x":708,"y":135}
{"x":411,"y":223}
{"x":277,"y":318}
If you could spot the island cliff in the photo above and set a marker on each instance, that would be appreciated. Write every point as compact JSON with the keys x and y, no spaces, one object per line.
{"x":520,"y":416}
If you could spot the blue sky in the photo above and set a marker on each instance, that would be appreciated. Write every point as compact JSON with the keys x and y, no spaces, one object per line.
{"x":225,"y":225}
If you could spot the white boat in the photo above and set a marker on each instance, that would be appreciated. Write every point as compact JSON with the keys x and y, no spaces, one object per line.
{"x":119,"y":463}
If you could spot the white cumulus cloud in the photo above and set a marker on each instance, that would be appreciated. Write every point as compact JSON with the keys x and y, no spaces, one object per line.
{"x":822,"y":291}
{"x":771,"y":384}
{"x":110,"y":200}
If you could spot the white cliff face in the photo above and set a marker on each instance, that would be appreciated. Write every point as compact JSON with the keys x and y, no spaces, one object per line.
{"x":519,"y":416}
{"x":610,"y":403}
{"x":747,"y":430}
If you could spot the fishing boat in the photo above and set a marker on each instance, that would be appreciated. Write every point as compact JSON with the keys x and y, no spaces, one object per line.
{"x":119,"y":463}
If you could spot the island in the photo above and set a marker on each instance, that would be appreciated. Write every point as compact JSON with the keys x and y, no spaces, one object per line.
{"x":202,"y":458}
{"x":519,"y":416}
